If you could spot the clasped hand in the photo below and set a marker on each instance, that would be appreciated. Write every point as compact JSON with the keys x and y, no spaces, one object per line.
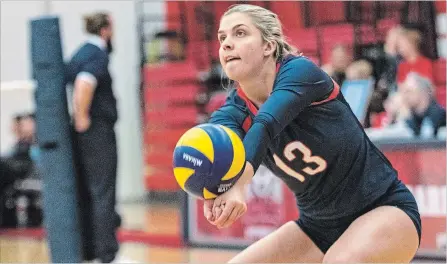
{"x":225,"y":209}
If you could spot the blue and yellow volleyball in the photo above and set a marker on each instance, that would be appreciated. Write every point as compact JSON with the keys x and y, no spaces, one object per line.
{"x":208,"y":160}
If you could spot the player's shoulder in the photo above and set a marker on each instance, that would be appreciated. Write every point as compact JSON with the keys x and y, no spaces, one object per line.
{"x":301,"y":68}
{"x":88,"y":53}
{"x":297,"y":62}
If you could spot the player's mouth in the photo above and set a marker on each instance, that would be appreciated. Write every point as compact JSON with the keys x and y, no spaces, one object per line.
{"x":231,"y":58}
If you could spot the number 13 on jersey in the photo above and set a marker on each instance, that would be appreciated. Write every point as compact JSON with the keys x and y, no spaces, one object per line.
{"x":307,"y":158}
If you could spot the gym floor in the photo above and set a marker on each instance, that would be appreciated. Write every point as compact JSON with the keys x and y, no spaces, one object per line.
{"x":161,"y":221}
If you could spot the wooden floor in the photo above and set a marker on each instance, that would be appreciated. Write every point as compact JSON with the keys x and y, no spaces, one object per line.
{"x":159,"y":219}
{"x":154,"y":219}
{"x":20,"y":250}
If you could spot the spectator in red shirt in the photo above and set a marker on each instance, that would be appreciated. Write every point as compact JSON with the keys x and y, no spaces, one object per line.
{"x":409,"y":48}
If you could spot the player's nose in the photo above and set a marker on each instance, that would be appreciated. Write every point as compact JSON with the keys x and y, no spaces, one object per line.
{"x":227,"y":44}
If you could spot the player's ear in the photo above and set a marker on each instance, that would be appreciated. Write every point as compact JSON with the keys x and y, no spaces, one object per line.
{"x":269,"y":48}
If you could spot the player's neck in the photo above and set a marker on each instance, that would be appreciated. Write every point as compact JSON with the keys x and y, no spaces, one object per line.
{"x":259,"y":86}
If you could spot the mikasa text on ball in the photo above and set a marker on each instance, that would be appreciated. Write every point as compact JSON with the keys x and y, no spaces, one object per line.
{"x":208,"y":160}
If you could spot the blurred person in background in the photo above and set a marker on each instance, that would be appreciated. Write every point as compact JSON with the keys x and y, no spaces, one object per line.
{"x":362,"y":70}
{"x":339,"y":61}
{"x":395,"y":109}
{"x":409,"y":43}
{"x":412,"y":112}
{"x":359,"y":70}
{"x":394,"y":122}
{"x":94,"y":117}
{"x":426,"y":115}
{"x":24,"y":129}
{"x":19,"y":181}
{"x":18,"y":164}
{"x":387,"y":79}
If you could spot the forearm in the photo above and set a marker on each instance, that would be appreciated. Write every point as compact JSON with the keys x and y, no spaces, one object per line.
{"x":256,"y":143}
{"x":246,"y":176}
{"x":279,"y":110}
{"x":82,"y":99}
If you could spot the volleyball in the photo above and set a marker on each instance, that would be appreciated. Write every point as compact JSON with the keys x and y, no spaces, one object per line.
{"x":208,"y":159}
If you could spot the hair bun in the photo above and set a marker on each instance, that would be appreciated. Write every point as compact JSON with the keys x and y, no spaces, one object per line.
{"x":95,"y":22}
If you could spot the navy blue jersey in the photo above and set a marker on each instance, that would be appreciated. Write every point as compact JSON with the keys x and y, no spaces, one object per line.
{"x":307,"y":135}
{"x":91,"y":59}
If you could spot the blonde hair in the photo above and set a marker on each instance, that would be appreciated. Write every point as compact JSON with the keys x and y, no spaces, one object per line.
{"x":270,"y":26}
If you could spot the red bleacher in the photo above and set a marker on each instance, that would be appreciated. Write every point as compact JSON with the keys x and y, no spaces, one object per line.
{"x":326,"y":12}
{"x":384,"y":25}
{"x":169,"y":73}
{"x":170,"y":90}
{"x":335,"y":34}
{"x":439,"y":68}
{"x":441,"y":95}
{"x":439,"y":71}
{"x":306,"y":41}
{"x":368,"y":35}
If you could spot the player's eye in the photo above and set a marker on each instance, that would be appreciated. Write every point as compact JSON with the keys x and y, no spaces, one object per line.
{"x":221,"y":38}
{"x":240,"y":33}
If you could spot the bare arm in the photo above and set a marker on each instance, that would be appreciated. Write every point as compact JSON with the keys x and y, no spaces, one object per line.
{"x":84,"y":88}
{"x":82,"y":99}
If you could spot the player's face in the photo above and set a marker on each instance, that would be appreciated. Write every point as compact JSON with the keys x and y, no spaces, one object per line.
{"x":241,"y":49}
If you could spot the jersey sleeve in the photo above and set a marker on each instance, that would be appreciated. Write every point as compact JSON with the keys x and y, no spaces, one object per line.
{"x":298,"y":84}
{"x":229,"y":117}
{"x":94,"y":70}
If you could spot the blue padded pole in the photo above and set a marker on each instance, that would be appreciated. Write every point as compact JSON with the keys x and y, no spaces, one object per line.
{"x":54,"y":139}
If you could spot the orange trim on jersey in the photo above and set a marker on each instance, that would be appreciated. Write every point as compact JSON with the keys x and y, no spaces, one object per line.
{"x":254,"y":110}
{"x":332,"y":96}
{"x":247,"y":101}
{"x":251,"y":107}
{"x":247,"y":123}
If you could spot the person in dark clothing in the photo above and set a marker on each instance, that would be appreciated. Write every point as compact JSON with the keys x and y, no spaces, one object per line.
{"x":427,"y":116}
{"x":94,"y":117}
{"x":339,"y":61}
{"x":19,"y":169}
{"x":18,"y":164}
{"x":387,"y":79}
